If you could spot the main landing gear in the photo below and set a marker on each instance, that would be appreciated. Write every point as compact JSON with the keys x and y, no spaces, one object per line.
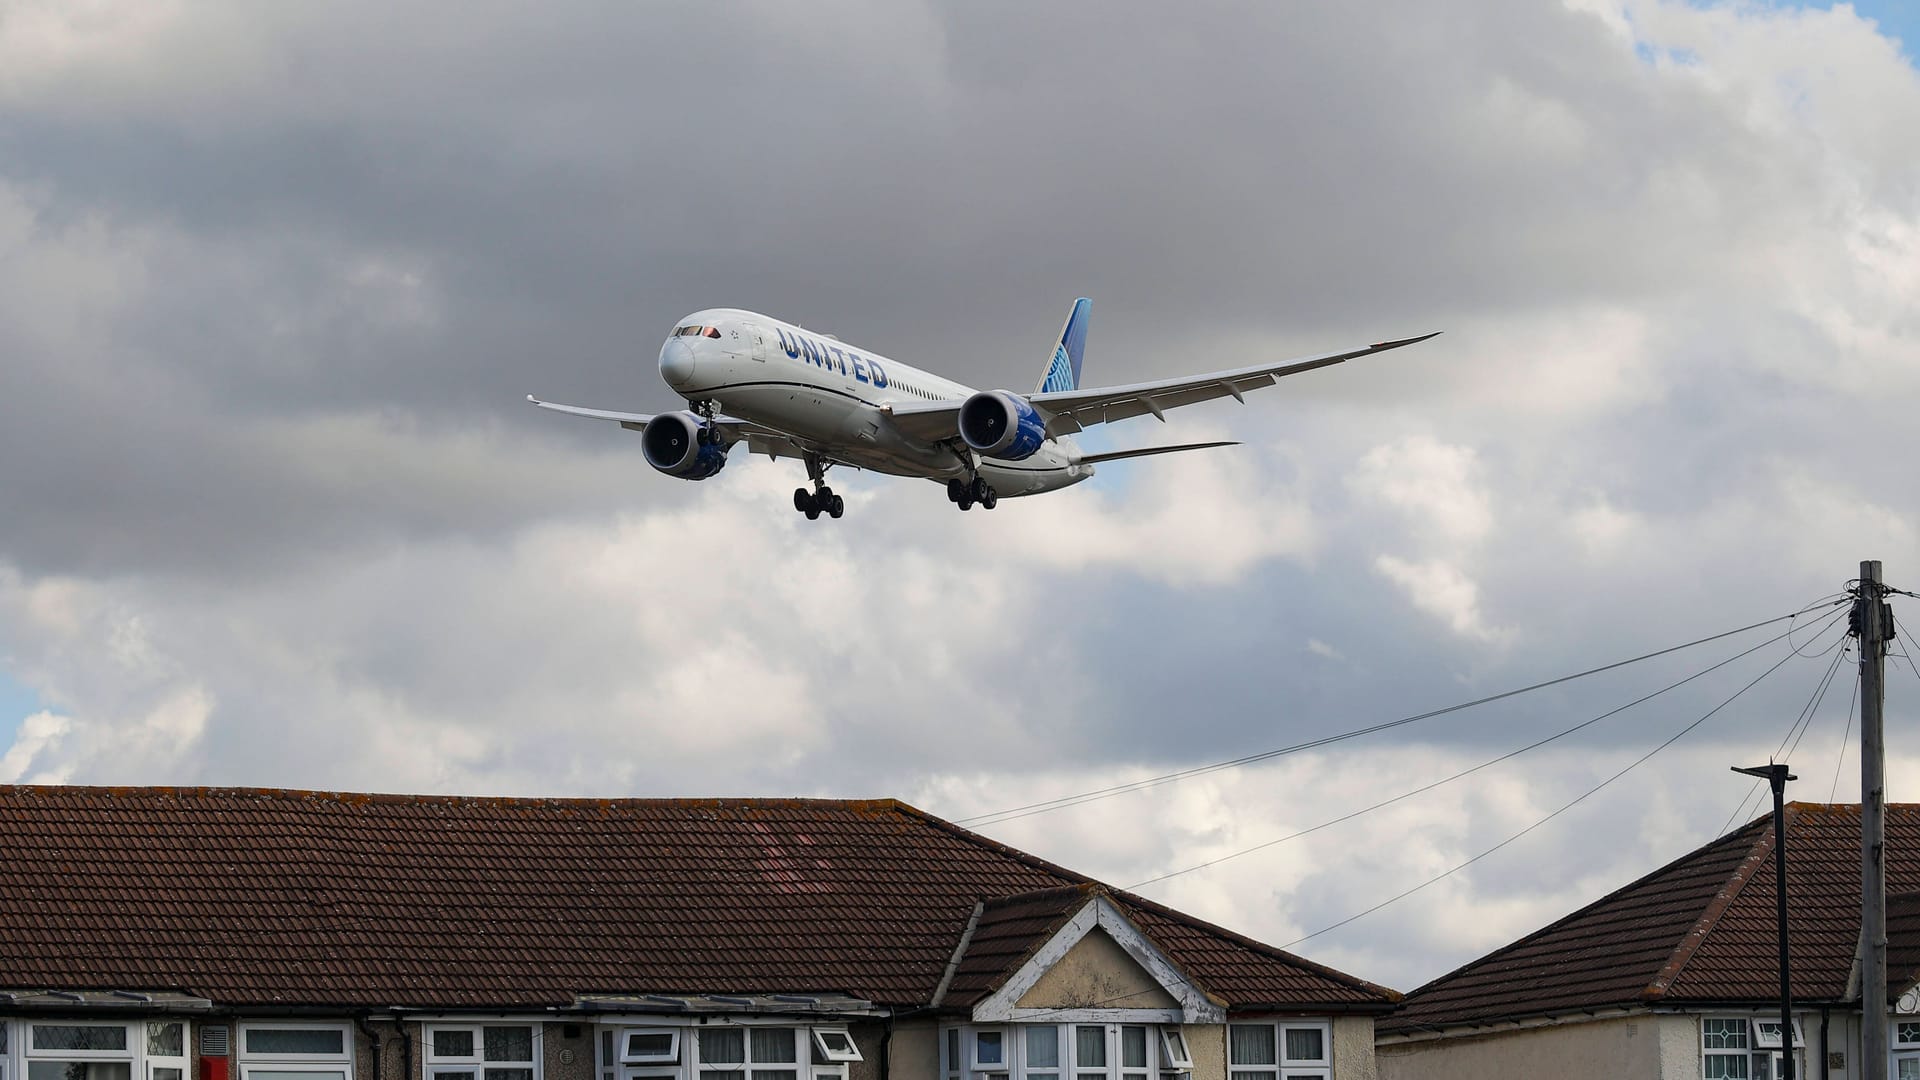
{"x":821,"y":500}
{"x":964,"y":493}
{"x":708,"y":432}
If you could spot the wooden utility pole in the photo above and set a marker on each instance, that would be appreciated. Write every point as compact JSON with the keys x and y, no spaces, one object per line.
{"x":1872,"y":619}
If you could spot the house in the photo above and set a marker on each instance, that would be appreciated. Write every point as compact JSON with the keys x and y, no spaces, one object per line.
{"x":240,"y":934}
{"x":1677,"y":974}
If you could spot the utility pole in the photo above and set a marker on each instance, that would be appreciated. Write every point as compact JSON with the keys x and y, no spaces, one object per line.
{"x":1873,"y":622}
{"x":1777,"y":775}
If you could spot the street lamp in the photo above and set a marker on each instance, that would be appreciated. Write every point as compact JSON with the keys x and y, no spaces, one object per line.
{"x":1777,"y":775}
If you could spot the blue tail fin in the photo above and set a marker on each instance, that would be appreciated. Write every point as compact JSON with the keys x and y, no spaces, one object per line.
{"x":1063,"y":371}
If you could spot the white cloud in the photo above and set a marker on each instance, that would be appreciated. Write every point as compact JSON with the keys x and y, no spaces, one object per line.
{"x":1437,"y":485}
{"x":1443,"y":591}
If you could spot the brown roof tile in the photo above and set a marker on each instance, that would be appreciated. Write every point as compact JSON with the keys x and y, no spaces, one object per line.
{"x":1700,"y":930}
{"x":250,"y":897}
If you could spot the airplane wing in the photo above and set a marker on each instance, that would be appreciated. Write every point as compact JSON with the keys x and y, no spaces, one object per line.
{"x":1149,"y":451}
{"x":759,"y":439}
{"x":1069,"y":411}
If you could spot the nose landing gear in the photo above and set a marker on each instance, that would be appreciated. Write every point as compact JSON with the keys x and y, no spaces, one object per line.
{"x":821,"y":500}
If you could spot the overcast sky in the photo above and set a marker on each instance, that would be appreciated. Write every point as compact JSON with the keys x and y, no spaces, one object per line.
{"x":274,"y":279}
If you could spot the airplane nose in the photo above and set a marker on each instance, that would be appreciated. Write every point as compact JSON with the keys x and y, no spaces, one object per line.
{"x":676,"y":363}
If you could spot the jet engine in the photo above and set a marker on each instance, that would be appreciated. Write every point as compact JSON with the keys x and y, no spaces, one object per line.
{"x":684,"y":445}
{"x":999,"y":424}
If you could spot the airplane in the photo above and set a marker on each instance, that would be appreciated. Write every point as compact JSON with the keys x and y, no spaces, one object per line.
{"x":790,"y":392}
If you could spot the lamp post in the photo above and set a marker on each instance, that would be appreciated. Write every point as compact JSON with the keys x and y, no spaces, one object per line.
{"x":1777,"y":775}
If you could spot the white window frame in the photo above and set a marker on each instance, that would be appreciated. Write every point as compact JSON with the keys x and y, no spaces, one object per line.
{"x":624,"y":1057}
{"x":248,"y":1061}
{"x":1763,"y":1041}
{"x":1743,"y":1053}
{"x":828,"y":1055}
{"x":1284,"y":1067}
{"x":476,"y":1064}
{"x":1175,"y":1054}
{"x":131,"y":1054}
{"x":971,"y":1041}
{"x":181,"y":1061}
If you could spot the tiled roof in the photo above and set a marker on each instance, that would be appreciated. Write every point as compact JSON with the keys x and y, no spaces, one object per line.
{"x":1011,"y":928}
{"x":254,"y":897}
{"x":1700,"y":930}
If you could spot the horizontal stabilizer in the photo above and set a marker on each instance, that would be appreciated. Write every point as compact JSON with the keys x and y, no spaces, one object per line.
{"x":1147,"y":451}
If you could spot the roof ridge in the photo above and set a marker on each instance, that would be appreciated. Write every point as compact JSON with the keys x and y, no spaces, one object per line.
{"x":1390,"y":994}
{"x":400,"y":798}
{"x":1688,"y":945}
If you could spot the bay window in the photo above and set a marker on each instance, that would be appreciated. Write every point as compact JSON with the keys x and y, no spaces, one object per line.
{"x":1063,"y":1052}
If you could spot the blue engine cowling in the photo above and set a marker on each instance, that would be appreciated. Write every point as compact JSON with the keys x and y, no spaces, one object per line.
{"x":682,"y":444}
{"x":999,"y":424}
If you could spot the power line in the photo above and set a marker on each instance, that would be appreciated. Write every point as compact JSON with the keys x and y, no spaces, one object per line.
{"x":1577,"y":801}
{"x":1048,"y":805}
{"x":1467,"y":772}
{"x":1841,"y":758}
{"x":1801,"y":722}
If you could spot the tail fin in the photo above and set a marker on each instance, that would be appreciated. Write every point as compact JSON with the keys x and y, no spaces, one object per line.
{"x":1063,"y":371}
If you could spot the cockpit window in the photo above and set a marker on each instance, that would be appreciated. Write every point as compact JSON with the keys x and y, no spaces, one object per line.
{"x":713,"y":331}
{"x":697,"y":331}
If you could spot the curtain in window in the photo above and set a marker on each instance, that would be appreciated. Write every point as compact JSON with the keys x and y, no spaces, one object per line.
{"x":772,"y":1044}
{"x":722,"y":1046}
{"x":1090,"y":1046}
{"x":1043,"y":1047}
{"x":1250,"y":1044}
{"x":1305,"y":1044}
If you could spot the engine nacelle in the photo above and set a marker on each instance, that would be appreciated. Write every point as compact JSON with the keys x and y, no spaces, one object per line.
{"x":684,"y":445}
{"x":999,"y":424}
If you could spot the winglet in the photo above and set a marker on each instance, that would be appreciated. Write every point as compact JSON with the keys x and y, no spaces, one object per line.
{"x":1385,"y":345}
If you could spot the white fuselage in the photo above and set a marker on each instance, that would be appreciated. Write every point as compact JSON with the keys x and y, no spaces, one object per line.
{"x":840,"y":399}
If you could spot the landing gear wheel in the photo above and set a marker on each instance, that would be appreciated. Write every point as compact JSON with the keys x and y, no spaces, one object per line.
{"x":813,"y":512}
{"x":990,"y":500}
{"x":802,"y":498}
{"x":839,"y":507}
{"x":979,"y":489}
{"x":955,"y":489}
{"x":965,"y":502}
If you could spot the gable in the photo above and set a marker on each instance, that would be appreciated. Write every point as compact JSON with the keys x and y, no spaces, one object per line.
{"x":1097,"y":973}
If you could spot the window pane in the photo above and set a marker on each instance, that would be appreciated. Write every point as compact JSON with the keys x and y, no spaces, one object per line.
{"x":452,"y":1074}
{"x":1133,"y":1047}
{"x":319,"y":1041}
{"x":79,"y":1037}
{"x":773,"y":1044}
{"x":1726,"y":1067}
{"x":1305,"y":1044}
{"x":1090,"y":1046}
{"x":79,"y":1070}
{"x":648,"y":1044}
{"x":1250,"y":1044}
{"x":166,"y":1038}
{"x":1723,"y":1034}
{"x":289,"y":1074}
{"x":165,"y":1073}
{"x":1909,"y":1068}
{"x":988,"y":1048}
{"x":507,"y":1043}
{"x":1252,"y":1076}
{"x":1906,"y":1033}
{"x":452,"y":1043}
{"x":836,"y":1042}
{"x":509,"y":1074}
{"x":723,"y":1045}
{"x":723,"y":1074}
{"x":776,"y":1074}
{"x":953,"y":1050}
{"x":1043,"y":1047}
